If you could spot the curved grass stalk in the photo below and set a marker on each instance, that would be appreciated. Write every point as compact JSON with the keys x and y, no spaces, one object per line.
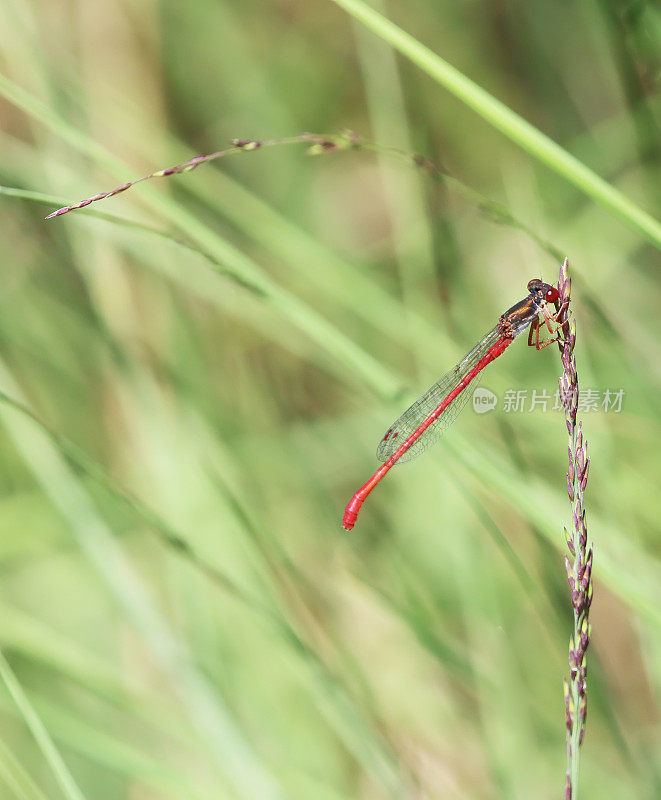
{"x":319,"y":143}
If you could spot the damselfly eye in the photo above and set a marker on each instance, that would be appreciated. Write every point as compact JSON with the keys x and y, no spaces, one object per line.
{"x":551,"y":295}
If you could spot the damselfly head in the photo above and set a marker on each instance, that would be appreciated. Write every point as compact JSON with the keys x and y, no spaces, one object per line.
{"x":543,"y":291}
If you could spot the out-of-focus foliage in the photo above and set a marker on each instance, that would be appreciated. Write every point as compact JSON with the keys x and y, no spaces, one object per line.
{"x":179,"y":608}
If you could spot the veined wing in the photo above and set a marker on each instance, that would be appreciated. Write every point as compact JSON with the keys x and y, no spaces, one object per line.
{"x":414,"y":416}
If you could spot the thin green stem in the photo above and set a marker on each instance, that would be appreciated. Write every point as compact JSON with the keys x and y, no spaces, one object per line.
{"x":508,"y":122}
{"x":50,"y":752}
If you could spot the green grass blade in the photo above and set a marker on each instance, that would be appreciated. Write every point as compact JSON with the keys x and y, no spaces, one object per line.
{"x":205,"y":707}
{"x":51,"y":754}
{"x":15,"y":776}
{"x":507,"y":121}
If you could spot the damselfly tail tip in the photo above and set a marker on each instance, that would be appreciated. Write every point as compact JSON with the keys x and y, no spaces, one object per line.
{"x":349,"y":519}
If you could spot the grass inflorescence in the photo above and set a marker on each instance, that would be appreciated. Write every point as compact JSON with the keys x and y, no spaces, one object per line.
{"x":579,"y":561}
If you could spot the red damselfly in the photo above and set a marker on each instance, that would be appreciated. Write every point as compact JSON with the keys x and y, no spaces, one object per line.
{"x":426,"y":420}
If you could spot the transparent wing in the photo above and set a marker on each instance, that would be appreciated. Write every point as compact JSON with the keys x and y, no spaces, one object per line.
{"x":413,"y":417}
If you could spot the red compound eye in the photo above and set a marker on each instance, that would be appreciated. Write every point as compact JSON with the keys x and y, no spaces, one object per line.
{"x":551,"y":295}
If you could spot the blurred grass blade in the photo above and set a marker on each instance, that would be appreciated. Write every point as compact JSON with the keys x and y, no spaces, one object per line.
{"x":336,"y":705}
{"x":51,"y":754}
{"x":639,"y":584}
{"x":207,"y":709}
{"x":351,"y":359}
{"x":16,"y":777}
{"x":116,"y":752}
{"x":507,"y":121}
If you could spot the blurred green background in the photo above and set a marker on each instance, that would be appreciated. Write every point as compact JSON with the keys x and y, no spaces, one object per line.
{"x":210,"y":360}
